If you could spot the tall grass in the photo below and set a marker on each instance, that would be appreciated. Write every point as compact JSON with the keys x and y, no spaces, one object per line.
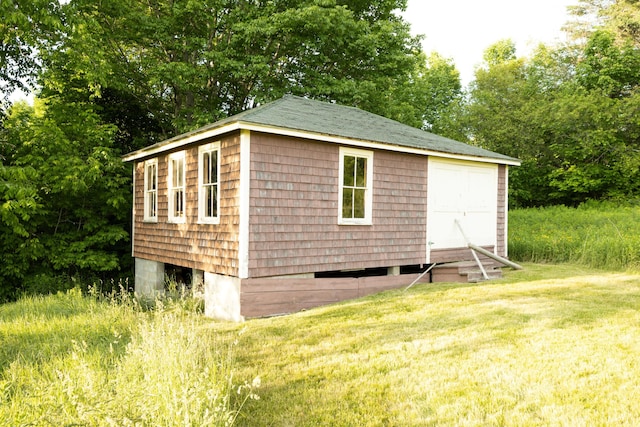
{"x":68,"y":359}
{"x":597,"y":235}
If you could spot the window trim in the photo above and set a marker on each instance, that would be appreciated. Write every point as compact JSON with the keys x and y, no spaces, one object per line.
{"x":368,"y":201}
{"x":202,"y":219}
{"x":146,"y":191}
{"x":172,"y":217}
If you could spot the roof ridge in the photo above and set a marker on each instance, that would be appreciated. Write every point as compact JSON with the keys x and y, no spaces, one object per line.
{"x":260,"y":107}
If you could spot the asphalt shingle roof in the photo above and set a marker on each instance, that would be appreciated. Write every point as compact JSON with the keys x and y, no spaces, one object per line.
{"x":301,"y":114}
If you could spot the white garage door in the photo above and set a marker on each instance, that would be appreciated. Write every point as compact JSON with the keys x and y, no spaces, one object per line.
{"x":466,"y":191}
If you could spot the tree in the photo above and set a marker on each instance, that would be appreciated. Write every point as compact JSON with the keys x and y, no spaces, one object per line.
{"x":500,"y":52}
{"x":565,"y":112}
{"x":187,"y":63}
{"x":610,"y":67}
{"x":439,"y":89}
{"x":622,"y":18}
{"x":423,"y":100}
{"x":587,"y":16}
{"x":25,"y":25}
{"x":503,"y":115}
{"x":64,"y":194}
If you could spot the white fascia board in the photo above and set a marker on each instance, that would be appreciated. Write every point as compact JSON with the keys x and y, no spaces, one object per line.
{"x":244,"y":196}
{"x":179,"y":141}
{"x":189,"y":138}
{"x":373,"y":145}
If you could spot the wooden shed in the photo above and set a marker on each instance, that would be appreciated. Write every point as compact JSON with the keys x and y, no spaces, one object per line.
{"x":299,"y":203}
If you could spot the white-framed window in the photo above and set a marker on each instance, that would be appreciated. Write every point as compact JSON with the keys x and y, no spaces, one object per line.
{"x":355,"y":193}
{"x":176,"y":186}
{"x":151,"y":190}
{"x":209,"y":183}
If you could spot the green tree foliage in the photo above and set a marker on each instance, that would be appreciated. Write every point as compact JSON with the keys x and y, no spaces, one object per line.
{"x":25,"y":26}
{"x":620,"y":17}
{"x":64,"y":194}
{"x":438,"y":90}
{"x":424,"y":99}
{"x":500,"y":52}
{"x":184,"y":63}
{"x":586,"y":16}
{"x":567,"y":114}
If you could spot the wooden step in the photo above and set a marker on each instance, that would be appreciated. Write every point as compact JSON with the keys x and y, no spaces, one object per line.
{"x":466,"y":271}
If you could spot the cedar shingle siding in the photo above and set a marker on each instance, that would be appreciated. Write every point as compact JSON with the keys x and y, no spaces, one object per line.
{"x":208,"y":247}
{"x":294,"y":210}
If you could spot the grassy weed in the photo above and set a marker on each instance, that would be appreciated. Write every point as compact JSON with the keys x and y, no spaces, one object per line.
{"x":593,"y":235}
{"x":68,"y":359}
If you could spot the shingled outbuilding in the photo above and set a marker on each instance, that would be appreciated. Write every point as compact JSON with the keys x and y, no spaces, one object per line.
{"x":299,"y":203}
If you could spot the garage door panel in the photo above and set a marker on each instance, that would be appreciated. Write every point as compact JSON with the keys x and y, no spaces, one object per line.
{"x":463,"y":191}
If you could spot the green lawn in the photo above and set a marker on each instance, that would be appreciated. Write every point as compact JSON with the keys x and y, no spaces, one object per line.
{"x":550,"y":345}
{"x":545,"y":346}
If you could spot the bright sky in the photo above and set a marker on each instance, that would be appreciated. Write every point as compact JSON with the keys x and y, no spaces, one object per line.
{"x":463,"y":29}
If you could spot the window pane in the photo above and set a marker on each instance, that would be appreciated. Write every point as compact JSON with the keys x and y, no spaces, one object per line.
{"x":214,"y":200}
{"x":211,"y":201}
{"x":180,"y":177}
{"x":214,"y":167}
{"x":361,"y":172}
{"x":358,"y":203}
{"x":349,"y":170}
{"x":151,"y":177}
{"x":207,"y":202}
{"x":177,"y":166}
{"x":347,"y":203}
{"x":206,"y":169}
{"x":152,"y":204}
{"x":174,"y":173}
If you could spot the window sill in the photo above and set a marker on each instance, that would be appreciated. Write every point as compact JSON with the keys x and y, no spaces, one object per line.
{"x":362,"y":222}
{"x":215,"y":221}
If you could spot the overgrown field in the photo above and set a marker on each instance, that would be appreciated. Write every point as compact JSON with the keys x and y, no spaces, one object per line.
{"x":69,"y":359}
{"x":549,"y":345}
{"x":594,"y":235}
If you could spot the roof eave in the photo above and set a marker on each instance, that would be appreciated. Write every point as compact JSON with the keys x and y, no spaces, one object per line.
{"x":214,"y":131}
{"x":181,"y":140}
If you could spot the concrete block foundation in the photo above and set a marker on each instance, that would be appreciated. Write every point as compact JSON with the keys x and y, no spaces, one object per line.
{"x":222,"y":297}
{"x":149,"y":279}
